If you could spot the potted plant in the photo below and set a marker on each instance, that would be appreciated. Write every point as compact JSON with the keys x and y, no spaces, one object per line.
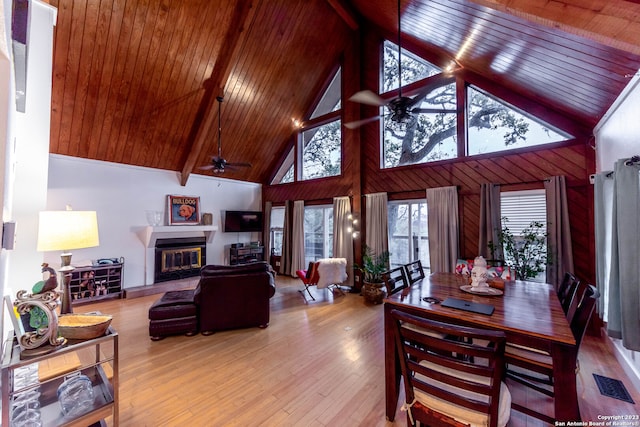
{"x":526,"y":254}
{"x":371,"y":269}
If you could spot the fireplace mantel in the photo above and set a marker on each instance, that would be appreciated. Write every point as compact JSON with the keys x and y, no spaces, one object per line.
{"x":176,"y":231}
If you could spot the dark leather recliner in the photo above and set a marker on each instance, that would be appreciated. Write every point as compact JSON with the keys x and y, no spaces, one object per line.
{"x":226,"y":297}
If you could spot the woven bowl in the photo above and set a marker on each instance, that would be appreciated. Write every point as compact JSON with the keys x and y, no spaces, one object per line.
{"x":83,"y":326}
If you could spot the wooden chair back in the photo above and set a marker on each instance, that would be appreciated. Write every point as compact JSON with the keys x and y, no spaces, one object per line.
{"x":414,"y":271}
{"x":585,"y":305}
{"x":567,"y":289}
{"x":395,"y":280}
{"x":464,"y":375}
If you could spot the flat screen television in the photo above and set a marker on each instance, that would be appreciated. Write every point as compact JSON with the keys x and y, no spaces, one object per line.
{"x":242,"y":221}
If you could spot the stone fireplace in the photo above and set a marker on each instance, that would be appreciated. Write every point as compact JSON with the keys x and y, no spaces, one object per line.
{"x":179,"y":258}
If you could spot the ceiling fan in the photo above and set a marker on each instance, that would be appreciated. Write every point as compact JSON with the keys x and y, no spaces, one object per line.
{"x":402,"y":108}
{"x":218,"y":163}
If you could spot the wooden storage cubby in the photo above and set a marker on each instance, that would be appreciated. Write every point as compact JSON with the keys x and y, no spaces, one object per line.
{"x":97,"y":282}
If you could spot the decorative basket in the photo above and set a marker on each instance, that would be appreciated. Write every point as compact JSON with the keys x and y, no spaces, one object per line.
{"x":83,"y":326}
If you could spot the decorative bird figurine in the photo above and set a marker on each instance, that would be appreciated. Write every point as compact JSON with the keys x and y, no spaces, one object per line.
{"x":49,"y":282}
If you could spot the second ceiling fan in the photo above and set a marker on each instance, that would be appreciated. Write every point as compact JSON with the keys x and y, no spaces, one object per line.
{"x":218,"y":163}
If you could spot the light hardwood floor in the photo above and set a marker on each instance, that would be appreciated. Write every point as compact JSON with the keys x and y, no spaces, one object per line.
{"x":317,"y":364}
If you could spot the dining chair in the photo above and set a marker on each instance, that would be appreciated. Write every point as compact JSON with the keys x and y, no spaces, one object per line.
{"x":395,"y":280}
{"x":451,"y":382}
{"x":534,"y":368}
{"x":566,"y":290}
{"x":414,"y":271}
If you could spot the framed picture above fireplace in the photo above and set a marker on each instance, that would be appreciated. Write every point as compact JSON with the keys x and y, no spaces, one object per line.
{"x":183,"y":210}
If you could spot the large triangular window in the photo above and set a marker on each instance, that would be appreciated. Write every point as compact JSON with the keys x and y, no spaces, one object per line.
{"x":413,"y":67}
{"x":493,"y":125}
{"x":319,"y":147}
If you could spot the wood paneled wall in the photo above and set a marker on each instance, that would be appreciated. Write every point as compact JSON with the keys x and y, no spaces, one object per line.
{"x":514,"y":170}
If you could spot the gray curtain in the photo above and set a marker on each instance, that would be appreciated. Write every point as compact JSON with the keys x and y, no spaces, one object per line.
{"x":285,"y":259}
{"x":624,"y":298}
{"x":377,"y":235}
{"x":442,"y":217}
{"x":560,"y":259}
{"x":297,"y":238}
{"x":602,"y":213}
{"x":490,"y":221}
{"x":342,"y":240}
{"x":266,"y":231}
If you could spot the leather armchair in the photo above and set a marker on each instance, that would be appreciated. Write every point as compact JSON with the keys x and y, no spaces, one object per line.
{"x":226,"y":297}
{"x":230,"y":297}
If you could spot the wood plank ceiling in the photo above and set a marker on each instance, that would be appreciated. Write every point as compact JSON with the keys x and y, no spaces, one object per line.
{"x":135,"y":81}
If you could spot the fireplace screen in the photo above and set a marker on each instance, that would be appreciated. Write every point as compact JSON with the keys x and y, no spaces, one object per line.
{"x":179,"y":258}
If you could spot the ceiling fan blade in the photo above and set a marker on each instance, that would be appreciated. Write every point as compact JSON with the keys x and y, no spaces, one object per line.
{"x":207,"y":167}
{"x":239,"y":165}
{"x":358,"y":123}
{"x":431,"y":110}
{"x":369,"y":98}
{"x":434,"y":83}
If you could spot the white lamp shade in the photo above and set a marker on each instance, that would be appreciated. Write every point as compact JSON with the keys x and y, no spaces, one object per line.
{"x":66,"y":230}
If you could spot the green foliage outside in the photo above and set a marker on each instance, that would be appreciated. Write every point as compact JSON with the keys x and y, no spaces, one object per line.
{"x":527,"y":254}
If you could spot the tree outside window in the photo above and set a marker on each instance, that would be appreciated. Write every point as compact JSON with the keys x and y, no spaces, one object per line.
{"x":492,"y":125}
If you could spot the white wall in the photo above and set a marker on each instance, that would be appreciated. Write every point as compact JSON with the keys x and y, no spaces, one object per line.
{"x":121,"y":194}
{"x":29,"y":187}
{"x":7,"y":111}
{"x":617,"y":136}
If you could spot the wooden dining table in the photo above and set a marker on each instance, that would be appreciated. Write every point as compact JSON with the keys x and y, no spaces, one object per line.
{"x":528,"y":312}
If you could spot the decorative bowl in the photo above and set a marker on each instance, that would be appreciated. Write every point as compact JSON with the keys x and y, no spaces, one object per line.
{"x":83,"y":326}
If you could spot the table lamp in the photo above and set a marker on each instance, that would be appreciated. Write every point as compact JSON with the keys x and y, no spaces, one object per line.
{"x":66,"y":230}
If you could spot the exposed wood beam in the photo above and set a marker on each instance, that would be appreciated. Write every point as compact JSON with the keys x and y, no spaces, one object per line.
{"x":214,"y":86}
{"x":345,"y":12}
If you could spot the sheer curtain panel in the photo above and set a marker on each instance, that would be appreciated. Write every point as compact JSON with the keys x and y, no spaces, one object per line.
{"x":442,"y":208}
{"x":342,"y":240}
{"x":297,"y":237}
{"x":377,"y":235}
{"x":285,"y":259}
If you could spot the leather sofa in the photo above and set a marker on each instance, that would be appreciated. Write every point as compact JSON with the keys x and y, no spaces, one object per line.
{"x":226,"y":297}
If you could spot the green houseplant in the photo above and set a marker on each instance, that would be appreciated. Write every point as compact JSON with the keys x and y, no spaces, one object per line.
{"x":527,"y":253}
{"x":371,"y":269}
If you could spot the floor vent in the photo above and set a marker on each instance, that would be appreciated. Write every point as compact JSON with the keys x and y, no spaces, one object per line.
{"x":612,"y":388}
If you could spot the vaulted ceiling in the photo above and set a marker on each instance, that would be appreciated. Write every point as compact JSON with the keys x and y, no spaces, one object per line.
{"x":136,"y":81}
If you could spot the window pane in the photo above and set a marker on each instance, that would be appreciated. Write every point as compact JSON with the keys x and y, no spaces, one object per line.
{"x":285,"y":172}
{"x":494,"y":125}
{"x":414,"y":68}
{"x":276,"y":227}
{"x":318,"y":233}
{"x":432,"y":138}
{"x":331,"y":98}
{"x":408,"y":233}
{"x":322,"y":147}
{"x":520,"y":208}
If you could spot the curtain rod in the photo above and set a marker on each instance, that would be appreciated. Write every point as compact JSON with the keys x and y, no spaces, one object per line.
{"x":632,"y":161}
{"x":537,"y":181}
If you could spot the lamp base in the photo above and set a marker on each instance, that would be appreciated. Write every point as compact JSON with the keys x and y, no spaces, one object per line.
{"x":65,"y":305}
